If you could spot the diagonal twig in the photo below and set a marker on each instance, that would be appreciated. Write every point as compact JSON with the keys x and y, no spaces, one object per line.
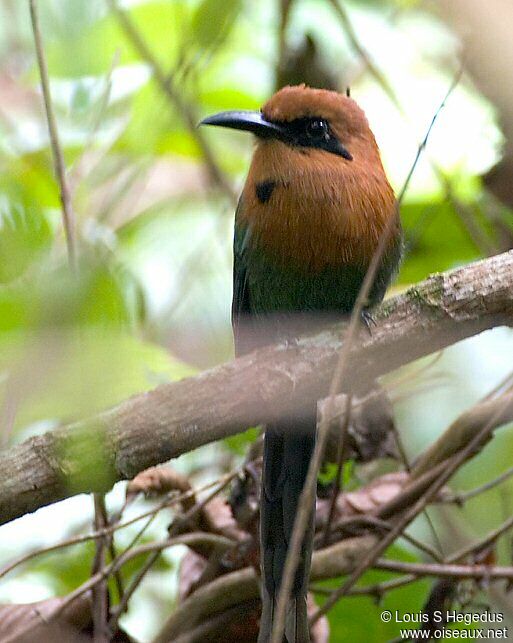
{"x":308,"y":494}
{"x":418,"y":507}
{"x":337,"y":487}
{"x":185,"y":110}
{"x":100,"y":590}
{"x":350,"y":32}
{"x":174,"y":530}
{"x":109,"y":530}
{"x":68,"y":216}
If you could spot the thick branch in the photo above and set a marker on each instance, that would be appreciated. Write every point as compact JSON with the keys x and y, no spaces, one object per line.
{"x":285,"y":379}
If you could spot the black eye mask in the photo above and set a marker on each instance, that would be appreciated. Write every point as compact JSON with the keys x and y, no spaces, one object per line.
{"x":309,"y":132}
{"x":313,"y":132}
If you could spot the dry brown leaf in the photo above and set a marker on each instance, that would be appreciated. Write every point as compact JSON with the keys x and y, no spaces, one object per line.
{"x":33,"y":621}
{"x":192,"y":567}
{"x":371,"y":431}
{"x":366,"y":500}
{"x":158,"y":481}
{"x":320,"y":631}
{"x":217,"y":517}
{"x":372,"y":496}
{"x":42,"y":622}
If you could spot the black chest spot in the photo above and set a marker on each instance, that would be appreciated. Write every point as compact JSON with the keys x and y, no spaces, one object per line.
{"x":264,"y":190}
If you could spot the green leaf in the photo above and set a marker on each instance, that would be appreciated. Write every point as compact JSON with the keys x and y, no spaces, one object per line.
{"x":239,"y":443}
{"x":153,"y":121}
{"x":435,"y":240}
{"x":82,"y":371}
{"x":25,"y":233}
{"x":219,"y":98}
{"x":357,"y":619}
{"x":213,"y":20}
{"x":91,"y":50}
{"x":66,"y":569}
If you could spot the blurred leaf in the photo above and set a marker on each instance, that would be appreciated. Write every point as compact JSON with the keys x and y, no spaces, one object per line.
{"x":24,"y":235}
{"x":68,"y":18}
{"x":329,"y":471}
{"x":219,"y":98}
{"x":357,"y":619}
{"x":213,"y":20}
{"x":91,"y":49}
{"x":68,"y":350}
{"x":81,"y":98}
{"x":109,"y":295}
{"x":15,"y":310}
{"x":240,"y":442}
{"x":178,"y":143}
{"x":153,"y":119}
{"x":101,"y":294}
{"x":67,"y":569}
{"x":29,"y":178}
{"x":70,"y":375}
{"x":436,"y":240}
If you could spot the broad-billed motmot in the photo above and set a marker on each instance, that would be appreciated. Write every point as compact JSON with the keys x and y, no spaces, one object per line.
{"x":313,"y":209}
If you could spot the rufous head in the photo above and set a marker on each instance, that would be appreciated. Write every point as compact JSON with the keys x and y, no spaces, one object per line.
{"x":316,"y":189}
{"x":307,"y":119}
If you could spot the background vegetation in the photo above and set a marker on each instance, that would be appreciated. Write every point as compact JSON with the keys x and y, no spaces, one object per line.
{"x":153,"y":199}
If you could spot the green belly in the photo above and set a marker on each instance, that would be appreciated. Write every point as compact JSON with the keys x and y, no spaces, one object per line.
{"x":274,"y":289}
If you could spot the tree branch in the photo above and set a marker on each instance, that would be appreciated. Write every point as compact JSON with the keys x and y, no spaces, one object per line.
{"x":175,"y":418}
{"x":242,"y":585}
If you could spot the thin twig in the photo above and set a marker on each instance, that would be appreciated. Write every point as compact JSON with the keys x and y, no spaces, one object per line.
{"x":184,"y":109}
{"x":414,"y":510}
{"x":380,"y":525}
{"x":340,"y":468}
{"x":100,"y":590}
{"x":77,"y":540}
{"x":191,"y":540}
{"x":350,"y":32}
{"x":177,"y":525}
{"x":377,"y":590}
{"x":481,"y":544}
{"x":68,"y":216}
{"x":308,"y":494}
{"x":446,"y":570}
{"x":117,"y":576}
{"x":461,"y":497}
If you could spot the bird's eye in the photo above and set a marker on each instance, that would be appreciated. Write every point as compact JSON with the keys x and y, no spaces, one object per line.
{"x":317,"y":129}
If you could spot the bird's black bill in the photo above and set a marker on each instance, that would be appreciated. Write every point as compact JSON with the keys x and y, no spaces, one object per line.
{"x":297,"y":132}
{"x":247,"y":121}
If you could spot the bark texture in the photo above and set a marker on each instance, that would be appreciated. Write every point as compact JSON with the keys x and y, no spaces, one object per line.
{"x":279,"y":380}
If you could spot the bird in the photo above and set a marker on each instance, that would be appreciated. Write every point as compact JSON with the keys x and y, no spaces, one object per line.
{"x":315,"y":204}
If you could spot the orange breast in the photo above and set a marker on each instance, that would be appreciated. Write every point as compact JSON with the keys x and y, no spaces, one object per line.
{"x":324,"y":210}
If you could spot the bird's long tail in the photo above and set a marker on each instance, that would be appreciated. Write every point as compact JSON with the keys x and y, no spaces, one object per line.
{"x":287,"y":454}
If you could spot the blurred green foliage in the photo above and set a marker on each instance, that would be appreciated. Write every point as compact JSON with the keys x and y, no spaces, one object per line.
{"x":347,"y":617}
